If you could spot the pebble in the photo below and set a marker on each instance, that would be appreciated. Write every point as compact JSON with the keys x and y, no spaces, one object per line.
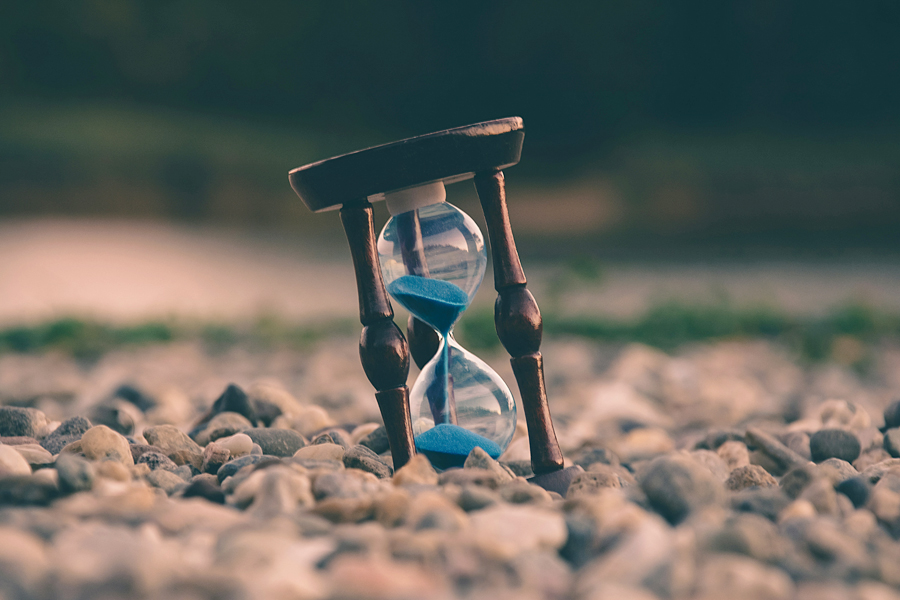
{"x":677,"y":485}
{"x":175,"y":444}
{"x":476,"y":497}
{"x":276,"y":442}
{"x":119,"y":416}
{"x":505,"y":530}
{"x":16,"y":421}
{"x":590,"y":483}
{"x":361,"y":457}
{"x":306,"y":420}
{"x":595,"y":454}
{"x":734,"y":453}
{"x":165,"y":480}
{"x":206,"y":487}
{"x":713,"y":462}
{"x":221,"y":425}
{"x":26,"y":490}
{"x":643,"y":443}
{"x":321,"y":451}
{"x":232,"y":467}
{"x":418,"y":471}
{"x":892,"y":442}
{"x":479,"y":459}
{"x":520,"y":491}
{"x":837,"y":470}
{"x":156,"y":460}
{"x":733,"y":576}
{"x":238,"y":444}
{"x":12,"y":463}
{"x":102,"y":443}
{"x":132,"y":394}
{"x":469,"y":476}
{"x":892,"y":415}
{"x":767,"y":502}
{"x":781,"y":455}
{"x":115,"y":470}
{"x":834,"y":443}
{"x":214,"y":456}
{"x":235,"y":400}
{"x":34,"y":454}
{"x":749,"y":476}
{"x":349,"y":483}
{"x":376,"y":440}
{"x":75,"y":473}
{"x":68,"y":431}
{"x":798,"y":441}
{"x":856,"y":489}
{"x":333,"y":436}
{"x":752,"y":535}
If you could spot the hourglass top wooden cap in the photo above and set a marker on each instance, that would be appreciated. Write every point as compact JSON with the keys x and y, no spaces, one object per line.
{"x":449,"y":156}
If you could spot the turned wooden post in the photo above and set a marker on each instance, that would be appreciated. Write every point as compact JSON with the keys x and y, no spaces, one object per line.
{"x":383,"y":350}
{"x":518,"y":322}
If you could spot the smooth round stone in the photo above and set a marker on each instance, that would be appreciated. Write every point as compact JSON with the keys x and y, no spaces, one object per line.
{"x":892,"y":415}
{"x":102,"y":443}
{"x":321,"y":452}
{"x":376,"y":440}
{"x":75,"y":473}
{"x":34,"y":454}
{"x":834,"y":443}
{"x":360,"y":457}
{"x":522,"y":492}
{"x":13,"y":463}
{"x":796,"y":480}
{"x":68,"y":431}
{"x":676,"y":486}
{"x":276,"y":442}
{"x":856,"y":489}
{"x":892,"y":442}
{"x":239,"y":444}
{"x":16,"y":421}
{"x":448,"y":445}
{"x":592,"y":454}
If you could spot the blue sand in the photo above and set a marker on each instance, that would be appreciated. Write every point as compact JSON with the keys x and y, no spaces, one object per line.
{"x":438,"y":303}
{"x":448,"y":445}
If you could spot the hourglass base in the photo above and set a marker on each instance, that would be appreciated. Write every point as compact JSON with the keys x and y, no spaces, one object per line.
{"x":447,"y":445}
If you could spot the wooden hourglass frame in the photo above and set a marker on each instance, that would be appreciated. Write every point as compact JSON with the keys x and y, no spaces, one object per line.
{"x":348,"y":182}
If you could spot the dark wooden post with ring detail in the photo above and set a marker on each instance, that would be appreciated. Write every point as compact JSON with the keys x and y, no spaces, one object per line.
{"x":520,"y":328}
{"x":349,"y":182}
{"x":383,"y":350}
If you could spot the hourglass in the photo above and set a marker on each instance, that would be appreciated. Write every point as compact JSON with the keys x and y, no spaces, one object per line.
{"x":430,"y":257}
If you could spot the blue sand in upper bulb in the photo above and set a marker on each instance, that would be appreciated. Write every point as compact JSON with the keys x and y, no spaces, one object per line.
{"x":454,"y":440}
{"x":438,"y":303}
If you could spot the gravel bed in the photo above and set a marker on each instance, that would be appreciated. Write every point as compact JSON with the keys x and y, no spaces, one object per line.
{"x":725,"y":470}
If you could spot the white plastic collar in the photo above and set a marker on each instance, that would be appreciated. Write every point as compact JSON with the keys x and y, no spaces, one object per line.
{"x":409,"y":199}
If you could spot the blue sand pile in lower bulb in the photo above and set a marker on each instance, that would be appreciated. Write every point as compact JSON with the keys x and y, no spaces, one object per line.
{"x":439,"y":303}
{"x":447,"y":445}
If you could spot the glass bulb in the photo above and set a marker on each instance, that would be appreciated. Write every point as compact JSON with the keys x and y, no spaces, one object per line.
{"x":433,"y":260}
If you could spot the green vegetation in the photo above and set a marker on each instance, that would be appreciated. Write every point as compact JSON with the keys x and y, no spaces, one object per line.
{"x":666,"y":327}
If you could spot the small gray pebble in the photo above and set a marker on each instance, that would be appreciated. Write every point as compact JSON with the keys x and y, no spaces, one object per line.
{"x":834,"y":443}
{"x":361,"y":457}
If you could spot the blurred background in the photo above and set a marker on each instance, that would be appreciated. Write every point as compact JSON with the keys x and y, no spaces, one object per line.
{"x":744,"y":153}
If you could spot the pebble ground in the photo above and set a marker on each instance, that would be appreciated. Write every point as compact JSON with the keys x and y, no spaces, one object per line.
{"x":725,"y":470}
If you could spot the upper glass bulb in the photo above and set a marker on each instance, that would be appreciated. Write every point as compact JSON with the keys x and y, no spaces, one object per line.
{"x":433,"y":260}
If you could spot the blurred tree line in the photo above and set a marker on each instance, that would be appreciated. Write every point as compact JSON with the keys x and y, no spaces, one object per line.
{"x":586,"y":76}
